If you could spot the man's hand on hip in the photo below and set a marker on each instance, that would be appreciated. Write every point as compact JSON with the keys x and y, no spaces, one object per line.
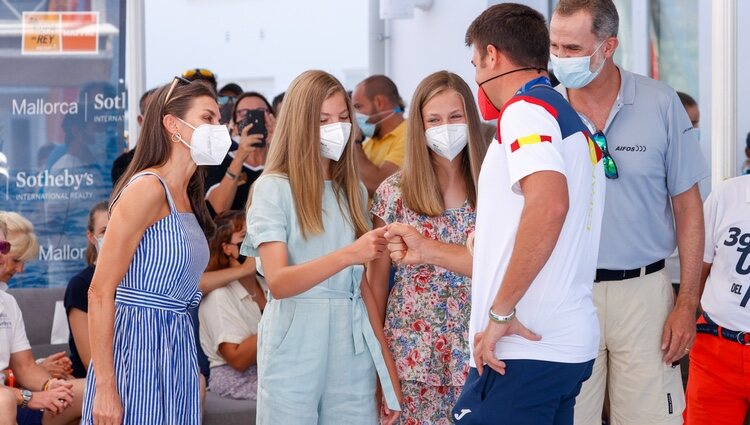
{"x":485,"y":343}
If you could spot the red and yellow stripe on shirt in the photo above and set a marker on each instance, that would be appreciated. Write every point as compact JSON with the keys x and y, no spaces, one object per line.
{"x":529,"y":140}
{"x":594,"y":151}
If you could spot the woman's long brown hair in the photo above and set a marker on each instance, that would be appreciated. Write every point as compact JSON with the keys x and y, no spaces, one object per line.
{"x":419,"y":184}
{"x":154,"y":146}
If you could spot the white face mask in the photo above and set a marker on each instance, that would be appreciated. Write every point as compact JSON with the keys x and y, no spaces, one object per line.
{"x":99,"y":242}
{"x":209,"y":144}
{"x":333,"y":139}
{"x":447,"y":140}
{"x":575,"y":73}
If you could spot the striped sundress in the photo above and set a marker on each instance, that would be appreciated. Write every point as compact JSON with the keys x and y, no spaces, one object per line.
{"x":154,"y":348}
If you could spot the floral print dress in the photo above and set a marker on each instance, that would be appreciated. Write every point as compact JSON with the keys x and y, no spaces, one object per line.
{"x":427,"y":316}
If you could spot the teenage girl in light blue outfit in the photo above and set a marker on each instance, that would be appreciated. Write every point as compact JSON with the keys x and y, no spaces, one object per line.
{"x":319,"y":351}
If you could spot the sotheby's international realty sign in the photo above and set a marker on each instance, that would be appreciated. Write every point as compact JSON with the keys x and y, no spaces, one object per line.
{"x":62,"y":109}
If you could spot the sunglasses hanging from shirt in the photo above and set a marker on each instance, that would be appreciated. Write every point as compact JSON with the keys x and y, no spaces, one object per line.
{"x":610,"y":168}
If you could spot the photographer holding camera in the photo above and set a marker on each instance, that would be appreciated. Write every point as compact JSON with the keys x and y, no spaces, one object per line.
{"x":227,"y":185}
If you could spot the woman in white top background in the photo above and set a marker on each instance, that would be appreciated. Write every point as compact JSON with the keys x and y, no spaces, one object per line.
{"x":229,"y":315}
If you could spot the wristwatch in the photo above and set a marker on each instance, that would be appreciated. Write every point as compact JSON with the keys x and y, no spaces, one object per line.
{"x":26,"y":395}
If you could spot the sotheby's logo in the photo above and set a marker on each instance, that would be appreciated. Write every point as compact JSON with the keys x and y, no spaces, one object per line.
{"x":463,"y":413}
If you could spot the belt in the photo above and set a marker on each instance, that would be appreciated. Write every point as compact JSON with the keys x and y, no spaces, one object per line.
{"x":603,"y":275}
{"x":363,"y":334}
{"x":139,"y":298}
{"x":712,"y":328}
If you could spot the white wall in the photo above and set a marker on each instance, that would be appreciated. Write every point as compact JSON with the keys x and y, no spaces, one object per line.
{"x":434,"y":40}
{"x":267,"y":42}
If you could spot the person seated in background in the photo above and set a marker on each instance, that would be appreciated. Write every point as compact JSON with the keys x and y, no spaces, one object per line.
{"x":40,"y":398}
{"x":24,"y":247}
{"x":76,"y":294}
{"x":227,"y":185}
{"x":229,"y":315}
{"x":380,"y":118}
{"x":120,"y":164}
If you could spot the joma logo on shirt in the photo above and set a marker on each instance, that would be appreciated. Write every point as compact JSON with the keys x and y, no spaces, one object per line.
{"x":636,"y":148}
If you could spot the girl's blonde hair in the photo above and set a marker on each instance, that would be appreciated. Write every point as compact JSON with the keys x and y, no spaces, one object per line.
{"x":419,"y":184}
{"x":294,"y":152}
{"x":20,"y":234}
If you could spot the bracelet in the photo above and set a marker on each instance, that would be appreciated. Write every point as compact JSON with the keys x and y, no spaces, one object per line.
{"x":231,"y":175}
{"x":46,"y":384}
{"x":503,"y":320}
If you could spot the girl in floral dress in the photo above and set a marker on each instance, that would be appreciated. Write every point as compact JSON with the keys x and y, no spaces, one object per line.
{"x":430,"y":206}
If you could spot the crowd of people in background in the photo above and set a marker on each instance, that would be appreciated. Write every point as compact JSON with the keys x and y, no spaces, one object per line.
{"x":346,"y":257}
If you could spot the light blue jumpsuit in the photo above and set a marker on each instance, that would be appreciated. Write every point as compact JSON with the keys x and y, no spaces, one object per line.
{"x":317,"y":353}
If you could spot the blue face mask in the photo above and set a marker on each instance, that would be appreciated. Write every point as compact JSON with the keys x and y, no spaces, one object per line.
{"x":368,"y":128}
{"x":576,"y":72}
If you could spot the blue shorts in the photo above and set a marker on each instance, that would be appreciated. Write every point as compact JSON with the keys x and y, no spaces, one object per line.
{"x":532,"y":392}
{"x":28,"y":416}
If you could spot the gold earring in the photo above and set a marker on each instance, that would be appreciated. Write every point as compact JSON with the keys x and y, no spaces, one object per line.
{"x":176,"y":137}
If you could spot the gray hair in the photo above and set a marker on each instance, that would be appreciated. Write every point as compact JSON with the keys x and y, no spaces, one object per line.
{"x":605,"y":20}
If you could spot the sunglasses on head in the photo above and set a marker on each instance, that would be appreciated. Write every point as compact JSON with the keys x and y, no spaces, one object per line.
{"x":610,"y":168}
{"x":177,"y":81}
{"x":4,"y":247}
{"x":190,"y":73}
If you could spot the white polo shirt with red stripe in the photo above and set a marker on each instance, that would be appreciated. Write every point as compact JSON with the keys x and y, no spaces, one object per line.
{"x":539,"y":131}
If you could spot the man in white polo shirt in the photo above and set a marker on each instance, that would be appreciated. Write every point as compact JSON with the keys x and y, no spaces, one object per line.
{"x":540,"y":202}
{"x":720,"y":358}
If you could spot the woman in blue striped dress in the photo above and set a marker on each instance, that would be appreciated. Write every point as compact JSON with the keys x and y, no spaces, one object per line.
{"x":144,"y":368}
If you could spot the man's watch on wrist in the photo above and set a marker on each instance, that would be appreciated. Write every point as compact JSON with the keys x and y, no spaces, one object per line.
{"x":503,"y":320}
{"x":26,"y":398}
